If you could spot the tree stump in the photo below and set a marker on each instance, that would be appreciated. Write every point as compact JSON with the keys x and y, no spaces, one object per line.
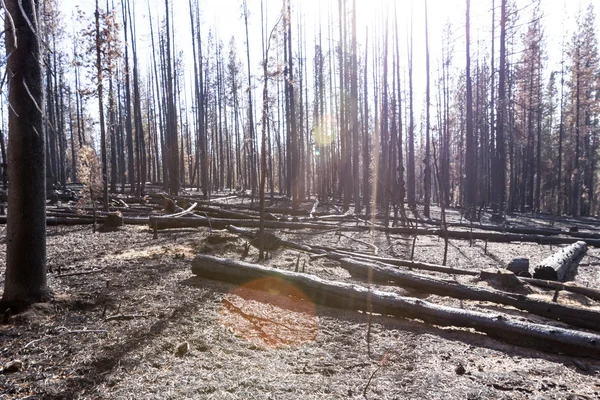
{"x":112,"y":222}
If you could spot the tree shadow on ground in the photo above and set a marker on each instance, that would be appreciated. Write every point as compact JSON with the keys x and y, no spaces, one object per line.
{"x":111,"y":357}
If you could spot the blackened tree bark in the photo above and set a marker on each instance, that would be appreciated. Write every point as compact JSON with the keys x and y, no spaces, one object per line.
{"x":128,"y":123}
{"x":100,"y":77}
{"x":427,"y":179}
{"x":172,"y":137}
{"x":354,"y":105}
{"x":366,"y":155}
{"x":137,"y":110}
{"x":253,"y":160}
{"x":499,"y":173}
{"x":410,"y":171}
{"x":470,"y":190}
{"x":25,"y":281}
{"x":292,"y":114}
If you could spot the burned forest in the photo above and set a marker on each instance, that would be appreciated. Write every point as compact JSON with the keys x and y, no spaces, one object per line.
{"x":300,"y":199}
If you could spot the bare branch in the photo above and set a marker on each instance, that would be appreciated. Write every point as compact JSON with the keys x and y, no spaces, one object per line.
{"x":12,"y":25}
{"x":32,"y":98}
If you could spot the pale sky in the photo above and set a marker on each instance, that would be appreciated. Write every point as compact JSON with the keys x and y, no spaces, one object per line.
{"x":225,"y":18}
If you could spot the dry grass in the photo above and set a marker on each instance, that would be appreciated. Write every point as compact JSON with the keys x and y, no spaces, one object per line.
{"x":248,"y":344}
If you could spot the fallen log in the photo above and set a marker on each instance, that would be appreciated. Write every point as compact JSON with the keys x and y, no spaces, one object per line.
{"x":494,"y":237}
{"x":567,"y":287}
{"x":221,"y":223}
{"x":558,"y":265}
{"x":385,"y":274}
{"x":339,"y":254}
{"x":271,"y":238}
{"x":353,"y":297}
{"x":520,"y":230}
{"x":222,"y":213}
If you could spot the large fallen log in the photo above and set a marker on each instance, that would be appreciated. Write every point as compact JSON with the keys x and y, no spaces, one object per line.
{"x":558,"y":266}
{"x":353,"y":297}
{"x":444,"y":287}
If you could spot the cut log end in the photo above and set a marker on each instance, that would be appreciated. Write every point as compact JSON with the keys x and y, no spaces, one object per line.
{"x":560,"y":265}
{"x":520,"y":267}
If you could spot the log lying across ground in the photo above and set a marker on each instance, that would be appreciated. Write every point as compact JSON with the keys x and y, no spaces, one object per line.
{"x":353,"y":297}
{"x":495,"y":237}
{"x":221,"y":223}
{"x":558,"y":266}
{"x":377,"y":273}
{"x":568,"y":287}
{"x":336,"y":254}
{"x":339,"y":254}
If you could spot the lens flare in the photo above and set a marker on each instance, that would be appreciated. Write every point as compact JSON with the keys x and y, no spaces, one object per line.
{"x":270,"y":313}
{"x":323,"y":134}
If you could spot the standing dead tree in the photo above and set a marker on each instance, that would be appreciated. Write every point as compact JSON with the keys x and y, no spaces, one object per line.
{"x":25,"y":281}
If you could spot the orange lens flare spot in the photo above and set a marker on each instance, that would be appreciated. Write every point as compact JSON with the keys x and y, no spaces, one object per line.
{"x":323,"y":133}
{"x":270,"y":313}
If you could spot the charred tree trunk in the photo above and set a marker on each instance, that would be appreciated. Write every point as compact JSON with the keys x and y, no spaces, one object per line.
{"x":100,"y":77}
{"x":427,"y":179}
{"x":26,"y":226}
{"x":470,"y":158}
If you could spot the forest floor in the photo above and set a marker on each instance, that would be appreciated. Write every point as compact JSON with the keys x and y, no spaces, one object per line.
{"x":139,"y":325}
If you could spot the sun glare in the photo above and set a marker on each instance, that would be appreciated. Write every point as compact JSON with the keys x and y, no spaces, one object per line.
{"x":270,"y":313}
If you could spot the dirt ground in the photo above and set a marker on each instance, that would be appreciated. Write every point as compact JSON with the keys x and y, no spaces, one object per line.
{"x":138,"y":325}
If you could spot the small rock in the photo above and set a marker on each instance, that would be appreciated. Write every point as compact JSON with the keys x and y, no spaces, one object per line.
{"x":460,"y":370}
{"x":182,"y":349}
{"x":13,"y":366}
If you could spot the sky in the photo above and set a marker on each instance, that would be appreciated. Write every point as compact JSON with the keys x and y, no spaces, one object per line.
{"x":224,"y":18}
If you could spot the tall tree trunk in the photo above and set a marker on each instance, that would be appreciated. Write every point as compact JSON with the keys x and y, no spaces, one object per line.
{"x":25,"y":280}
{"x":253,"y":160}
{"x":470,"y":157}
{"x":172,"y":136}
{"x":100,"y":78}
{"x":427,"y":180}
{"x":354,"y":110}
{"x":113,"y":142}
{"x":128,"y":123}
{"x":499,"y":173}
{"x":410,"y":173}
{"x":576,"y":190}
{"x":292,"y":114}
{"x":137,"y":110}
{"x":366,"y":158}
